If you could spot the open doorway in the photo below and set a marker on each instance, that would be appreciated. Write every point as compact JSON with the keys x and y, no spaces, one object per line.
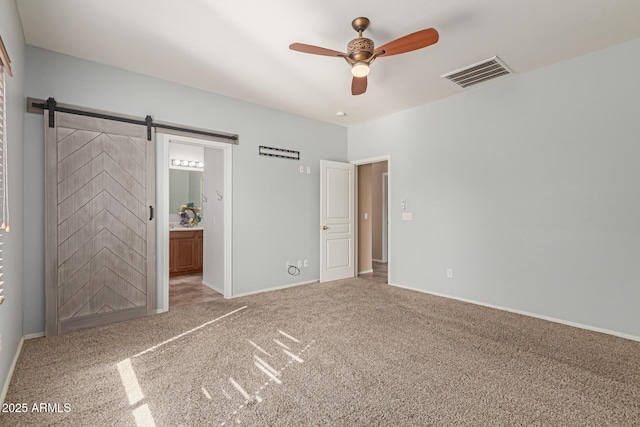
{"x":189,"y":211}
{"x":194,"y":221}
{"x":372,"y":220}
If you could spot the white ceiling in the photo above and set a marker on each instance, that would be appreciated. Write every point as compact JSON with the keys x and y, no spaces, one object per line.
{"x":240,"y":48}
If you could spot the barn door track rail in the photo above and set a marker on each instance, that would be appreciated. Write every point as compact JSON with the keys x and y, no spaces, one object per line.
{"x":51,"y":105}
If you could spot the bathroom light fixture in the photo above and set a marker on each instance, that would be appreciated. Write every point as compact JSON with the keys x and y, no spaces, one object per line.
{"x":187,"y":163}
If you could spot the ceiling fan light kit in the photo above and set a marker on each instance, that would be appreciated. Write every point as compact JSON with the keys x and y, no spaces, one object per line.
{"x":361,"y":51}
{"x":360,"y":69}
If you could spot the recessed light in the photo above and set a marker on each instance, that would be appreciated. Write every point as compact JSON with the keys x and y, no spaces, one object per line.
{"x":341,"y":114}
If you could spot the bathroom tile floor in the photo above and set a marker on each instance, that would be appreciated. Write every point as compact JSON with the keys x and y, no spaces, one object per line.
{"x":188,"y":289}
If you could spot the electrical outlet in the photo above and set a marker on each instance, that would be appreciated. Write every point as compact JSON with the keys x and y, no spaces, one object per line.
{"x":308,"y":170}
{"x":449,"y":272}
{"x":299,"y":263}
{"x":306,"y":263}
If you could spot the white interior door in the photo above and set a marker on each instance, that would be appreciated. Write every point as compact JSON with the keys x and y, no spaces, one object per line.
{"x":337,"y":221}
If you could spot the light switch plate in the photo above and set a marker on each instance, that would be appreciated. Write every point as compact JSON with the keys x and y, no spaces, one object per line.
{"x":407,"y":216}
{"x":308,"y":170}
{"x":301,"y":169}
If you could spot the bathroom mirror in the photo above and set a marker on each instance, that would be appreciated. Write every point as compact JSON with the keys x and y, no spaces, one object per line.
{"x":184,"y":186}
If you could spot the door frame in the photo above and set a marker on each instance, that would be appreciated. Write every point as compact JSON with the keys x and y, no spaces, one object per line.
{"x":385,"y":216}
{"x":366,"y":161}
{"x":162,"y":201}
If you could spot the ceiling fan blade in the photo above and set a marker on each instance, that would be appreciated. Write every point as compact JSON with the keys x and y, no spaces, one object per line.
{"x":359,"y":85}
{"x":316,"y":50}
{"x":413,"y":41}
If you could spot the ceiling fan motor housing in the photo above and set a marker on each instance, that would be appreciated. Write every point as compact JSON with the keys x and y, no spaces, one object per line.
{"x":360,"y":49}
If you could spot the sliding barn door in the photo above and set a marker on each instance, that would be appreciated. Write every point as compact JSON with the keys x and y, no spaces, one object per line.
{"x":99,"y":230}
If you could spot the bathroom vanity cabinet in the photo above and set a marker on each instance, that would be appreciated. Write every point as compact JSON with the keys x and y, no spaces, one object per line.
{"x":185,"y":252}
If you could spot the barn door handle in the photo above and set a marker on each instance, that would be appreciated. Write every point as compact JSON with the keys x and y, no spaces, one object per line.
{"x":150,"y":213}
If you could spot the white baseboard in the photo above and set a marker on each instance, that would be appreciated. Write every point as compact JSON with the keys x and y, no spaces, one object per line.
{"x":529,"y":314}
{"x":379,"y":260}
{"x":276,"y":288}
{"x":215,"y":288}
{"x":36,"y":335}
{"x":365,"y":272}
{"x":5,"y":388}
{"x":161,"y":310}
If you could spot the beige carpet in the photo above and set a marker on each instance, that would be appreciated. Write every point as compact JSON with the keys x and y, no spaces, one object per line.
{"x":346,"y":353}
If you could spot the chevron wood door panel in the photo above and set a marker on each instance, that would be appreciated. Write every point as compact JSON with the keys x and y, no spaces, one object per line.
{"x":99,"y":235}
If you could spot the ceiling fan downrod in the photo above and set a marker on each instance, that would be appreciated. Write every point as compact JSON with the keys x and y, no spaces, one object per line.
{"x":360,"y":49}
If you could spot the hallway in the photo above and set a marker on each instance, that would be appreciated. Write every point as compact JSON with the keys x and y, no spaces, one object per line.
{"x":379,"y":273}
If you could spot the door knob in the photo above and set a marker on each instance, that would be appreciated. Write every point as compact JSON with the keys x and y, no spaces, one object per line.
{"x":324,"y":227}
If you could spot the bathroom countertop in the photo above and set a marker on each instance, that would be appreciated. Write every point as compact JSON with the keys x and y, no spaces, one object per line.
{"x":181,"y":228}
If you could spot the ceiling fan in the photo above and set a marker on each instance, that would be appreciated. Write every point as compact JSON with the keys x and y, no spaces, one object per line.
{"x":361,"y":51}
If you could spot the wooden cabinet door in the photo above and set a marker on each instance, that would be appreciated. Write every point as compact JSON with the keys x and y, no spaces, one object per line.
{"x":185,"y":249}
{"x":199,"y":247}
{"x":186,"y":253}
{"x":172,"y":255}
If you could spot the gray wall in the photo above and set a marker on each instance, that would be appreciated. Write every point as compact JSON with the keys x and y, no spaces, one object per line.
{"x":275,"y":209}
{"x":12,"y":253}
{"x":528,"y":188}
